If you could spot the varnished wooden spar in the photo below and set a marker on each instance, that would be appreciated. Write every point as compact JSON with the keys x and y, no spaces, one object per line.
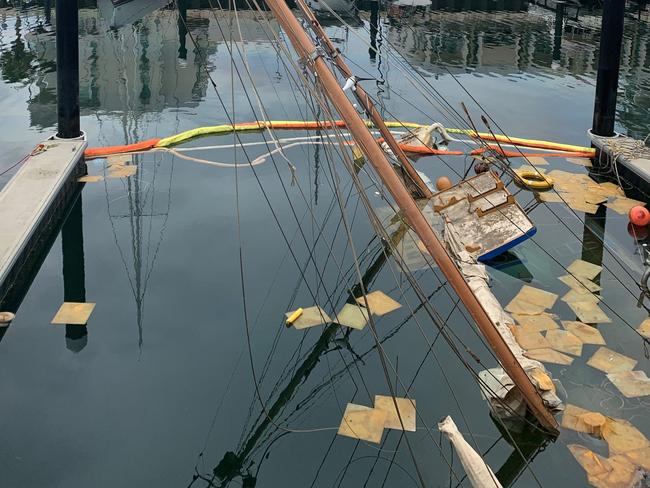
{"x":365,"y":101}
{"x":376,"y":156}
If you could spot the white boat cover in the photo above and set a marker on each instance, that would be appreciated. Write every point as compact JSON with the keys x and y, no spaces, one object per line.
{"x":478,"y":472}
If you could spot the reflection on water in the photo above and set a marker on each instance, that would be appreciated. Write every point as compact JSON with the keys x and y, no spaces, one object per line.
{"x":162,"y":393}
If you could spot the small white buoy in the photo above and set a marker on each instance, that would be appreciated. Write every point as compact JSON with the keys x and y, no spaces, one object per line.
{"x":6,"y":318}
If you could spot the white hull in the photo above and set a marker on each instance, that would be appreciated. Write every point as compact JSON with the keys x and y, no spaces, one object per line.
{"x":128,"y":12}
{"x":338,"y":6}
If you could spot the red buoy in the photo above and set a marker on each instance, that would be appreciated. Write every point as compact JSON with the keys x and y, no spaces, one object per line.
{"x":639,"y":215}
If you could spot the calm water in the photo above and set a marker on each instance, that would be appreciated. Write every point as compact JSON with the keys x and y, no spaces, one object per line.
{"x":158,"y":388}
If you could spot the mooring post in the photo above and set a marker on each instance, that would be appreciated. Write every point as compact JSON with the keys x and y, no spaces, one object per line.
{"x":611,"y":36}
{"x":67,"y":68}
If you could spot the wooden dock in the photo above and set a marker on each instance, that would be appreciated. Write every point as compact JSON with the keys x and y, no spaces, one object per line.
{"x":34,"y":202}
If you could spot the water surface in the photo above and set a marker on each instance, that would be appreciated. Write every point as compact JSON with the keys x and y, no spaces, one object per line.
{"x":158,"y":388}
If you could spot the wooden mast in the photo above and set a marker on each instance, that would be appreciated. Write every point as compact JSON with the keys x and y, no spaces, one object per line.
{"x":364,"y":100}
{"x":376,"y":156}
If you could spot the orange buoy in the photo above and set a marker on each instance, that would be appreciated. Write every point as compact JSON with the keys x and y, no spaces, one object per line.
{"x":443,"y":183}
{"x":639,"y":216}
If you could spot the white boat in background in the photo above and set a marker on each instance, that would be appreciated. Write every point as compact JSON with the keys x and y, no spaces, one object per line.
{"x":326,"y":6}
{"x":118,"y":13}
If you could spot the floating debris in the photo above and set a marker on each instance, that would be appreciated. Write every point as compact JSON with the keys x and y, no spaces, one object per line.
{"x":90,"y":179}
{"x":310,"y":317}
{"x":581,"y":420}
{"x":361,"y":422}
{"x":72,"y":313}
{"x":622,"y":205}
{"x":632,"y":384}
{"x":549,"y":356}
{"x":531,"y":301}
{"x":538,"y":323}
{"x":406,"y":408}
{"x":589,"y":312}
{"x":584,"y":295}
{"x":529,"y":339}
{"x":588,"y":334}
{"x":610,"y":361}
{"x":118,"y":159}
{"x":564,"y":341}
{"x":479,"y":473}
{"x":580,"y":284}
{"x":294,"y":316}
{"x":580,"y":161}
{"x":613,"y":472}
{"x":549,"y":197}
{"x":644,"y":328}
{"x":536,"y":160}
{"x":542,"y":379}
{"x":352,"y":316}
{"x":584,"y":269}
{"x":120,"y":171}
{"x":622,"y":436}
{"x":379,"y":303}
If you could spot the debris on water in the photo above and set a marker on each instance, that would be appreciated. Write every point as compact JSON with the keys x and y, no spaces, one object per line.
{"x":579,"y":284}
{"x":538,"y":323}
{"x":118,"y":159}
{"x":564,"y":341}
{"x":582,"y":420}
{"x":586,"y":162}
{"x":310,"y":317}
{"x":90,"y":179}
{"x":529,"y":339}
{"x":379,"y":303}
{"x":478,"y":472}
{"x":406,"y":408}
{"x":623,"y":205}
{"x":549,"y":356}
{"x":119,"y":171}
{"x":294,"y":316}
{"x":644,"y":328}
{"x":610,"y":361}
{"x":531,"y":301}
{"x":589,"y":312}
{"x":584,"y":295}
{"x":581,"y":193}
{"x":614,"y":472}
{"x":584,"y":269}
{"x":549,"y":197}
{"x":542,"y":379}
{"x":352,"y":316}
{"x":364,"y":423}
{"x":632,"y":384}
{"x":73,"y":313}
{"x":621,"y":436}
{"x":588,"y":334}
{"x":536,"y":160}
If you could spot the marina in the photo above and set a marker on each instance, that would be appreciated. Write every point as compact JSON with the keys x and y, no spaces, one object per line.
{"x":324,"y":243}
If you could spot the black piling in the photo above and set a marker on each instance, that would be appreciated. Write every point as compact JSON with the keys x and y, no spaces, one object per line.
{"x":74,"y":275}
{"x":611,"y":37}
{"x":67,"y":68}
